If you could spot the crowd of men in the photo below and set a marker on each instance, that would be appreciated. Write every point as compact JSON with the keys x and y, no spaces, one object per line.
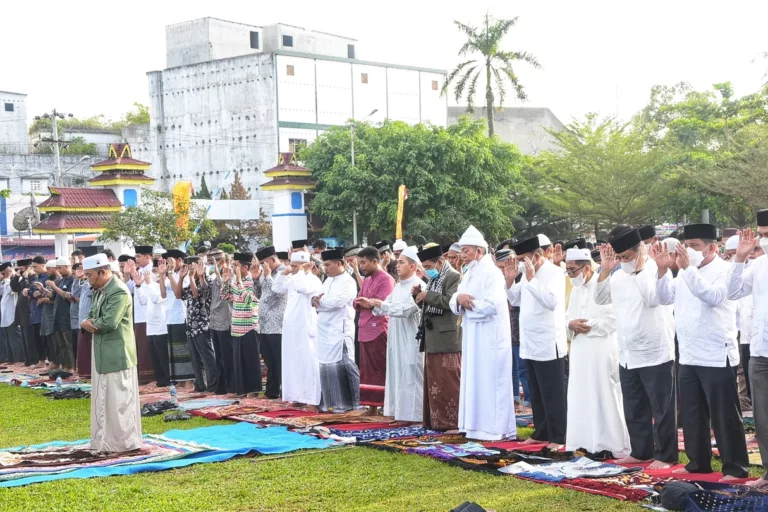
{"x":611,"y":344}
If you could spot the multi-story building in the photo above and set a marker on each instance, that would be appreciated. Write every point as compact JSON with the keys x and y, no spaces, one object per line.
{"x":234,"y":96}
{"x":13,"y":123}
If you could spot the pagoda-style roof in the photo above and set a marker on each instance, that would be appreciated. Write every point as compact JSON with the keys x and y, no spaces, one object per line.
{"x":109,"y":179}
{"x":70,"y":199}
{"x":290,"y":183}
{"x":120,"y":158}
{"x":72,"y":223}
{"x":287,"y":165}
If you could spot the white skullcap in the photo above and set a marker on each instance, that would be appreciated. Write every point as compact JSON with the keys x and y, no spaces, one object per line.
{"x":95,"y":261}
{"x":411,"y":252}
{"x":399,"y":246}
{"x":575,"y":254}
{"x":473,"y":237}
{"x":50,"y":263}
{"x":158,"y":249}
{"x":732,"y":243}
{"x":670,"y":244}
{"x":544,"y":240}
{"x":62,"y":262}
{"x":299,"y":257}
{"x":455,"y":247}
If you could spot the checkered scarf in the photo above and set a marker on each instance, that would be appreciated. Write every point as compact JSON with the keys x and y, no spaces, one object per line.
{"x":436,"y":285}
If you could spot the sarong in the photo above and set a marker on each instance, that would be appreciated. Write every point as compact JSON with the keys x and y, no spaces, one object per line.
{"x":340,"y":384}
{"x":179,"y":355}
{"x":84,"y":353}
{"x":143,"y":353}
{"x":373,"y":361}
{"x":442,"y":383}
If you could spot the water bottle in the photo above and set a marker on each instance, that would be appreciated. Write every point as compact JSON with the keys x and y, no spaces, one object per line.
{"x":173,"y":393}
{"x":58,"y":383}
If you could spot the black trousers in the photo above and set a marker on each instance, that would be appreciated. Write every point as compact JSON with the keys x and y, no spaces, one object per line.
{"x":271,"y":350}
{"x":75,"y":334}
{"x":745,"y":365}
{"x":30,"y":358}
{"x":222,"y":347}
{"x":158,"y":350}
{"x":246,"y":375}
{"x":710,"y":394}
{"x":38,"y":341}
{"x":203,"y":362}
{"x":649,"y":410}
{"x":548,"y":385}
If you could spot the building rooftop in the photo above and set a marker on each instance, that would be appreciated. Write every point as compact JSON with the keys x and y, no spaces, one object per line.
{"x":16,"y":93}
{"x":78,"y":223}
{"x":73,"y":199}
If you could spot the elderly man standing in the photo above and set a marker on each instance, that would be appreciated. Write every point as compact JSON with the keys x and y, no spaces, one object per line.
{"x":271,"y":311}
{"x":486,"y":407}
{"x":115,"y":407}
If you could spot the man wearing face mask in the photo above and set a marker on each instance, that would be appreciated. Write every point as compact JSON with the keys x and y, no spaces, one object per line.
{"x":486,"y":409}
{"x":741,"y":283}
{"x":543,"y":345}
{"x":598,"y":423}
{"x":706,"y":332}
{"x":645,"y":331}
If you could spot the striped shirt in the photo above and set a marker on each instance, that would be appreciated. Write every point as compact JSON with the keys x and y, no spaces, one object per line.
{"x":245,"y":306}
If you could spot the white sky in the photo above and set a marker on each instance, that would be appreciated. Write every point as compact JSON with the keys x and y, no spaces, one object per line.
{"x":90,"y":57}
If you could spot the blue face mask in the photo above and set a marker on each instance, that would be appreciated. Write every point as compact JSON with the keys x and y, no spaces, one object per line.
{"x":432,"y":273}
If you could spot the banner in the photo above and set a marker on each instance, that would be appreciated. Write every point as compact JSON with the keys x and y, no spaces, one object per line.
{"x":182,"y":193}
{"x":402,"y":195}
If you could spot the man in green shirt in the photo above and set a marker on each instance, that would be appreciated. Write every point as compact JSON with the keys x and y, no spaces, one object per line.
{"x":115,"y":407}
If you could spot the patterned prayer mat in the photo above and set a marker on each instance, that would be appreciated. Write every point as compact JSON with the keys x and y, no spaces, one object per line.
{"x":381,"y":434}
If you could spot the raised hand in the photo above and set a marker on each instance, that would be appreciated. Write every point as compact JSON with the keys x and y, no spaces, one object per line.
{"x":183,"y":271}
{"x":511,"y":271}
{"x":226,"y":273}
{"x":682,"y":256}
{"x":661,"y":256}
{"x":162,"y":268}
{"x":747,"y":242}
{"x":557,"y":256}
{"x":148,"y":277}
{"x":530,"y":270}
{"x":608,"y":259}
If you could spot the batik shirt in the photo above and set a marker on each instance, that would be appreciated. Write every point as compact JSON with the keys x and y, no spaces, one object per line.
{"x":271,"y":304}
{"x":198,"y":309}
{"x":245,"y":306}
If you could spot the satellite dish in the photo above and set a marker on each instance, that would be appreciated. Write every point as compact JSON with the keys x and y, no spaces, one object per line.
{"x":26,"y":218}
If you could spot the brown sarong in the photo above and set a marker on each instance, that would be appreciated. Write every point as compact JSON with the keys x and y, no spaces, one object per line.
{"x":84,"y":353}
{"x":143,"y":354}
{"x":442,"y":383}
{"x":373,"y":361}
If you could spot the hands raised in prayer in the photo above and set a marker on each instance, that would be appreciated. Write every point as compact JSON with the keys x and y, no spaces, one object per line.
{"x":558,"y":256}
{"x":747,"y":242}
{"x":511,"y":271}
{"x":682,"y":256}
{"x":530,"y":270}
{"x":662,"y":257}
{"x":608,"y":260}
{"x":183,"y":271}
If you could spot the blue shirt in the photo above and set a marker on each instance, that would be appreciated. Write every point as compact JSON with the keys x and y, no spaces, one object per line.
{"x":35,"y":309}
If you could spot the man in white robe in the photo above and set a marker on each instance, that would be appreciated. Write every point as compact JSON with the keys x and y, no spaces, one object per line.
{"x":301,"y":377}
{"x":595,"y":407}
{"x":486,"y":407}
{"x":404,"y":388}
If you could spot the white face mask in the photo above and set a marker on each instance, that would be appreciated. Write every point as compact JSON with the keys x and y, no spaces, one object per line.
{"x":695,"y":258}
{"x":578,"y":280}
{"x":521,"y":267}
{"x":629,"y":267}
{"x":764,"y":244}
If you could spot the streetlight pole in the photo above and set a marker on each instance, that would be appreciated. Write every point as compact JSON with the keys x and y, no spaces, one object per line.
{"x":352,"y":145}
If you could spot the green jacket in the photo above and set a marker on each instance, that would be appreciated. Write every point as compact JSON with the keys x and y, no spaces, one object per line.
{"x":445,"y":335}
{"x":114,"y":345}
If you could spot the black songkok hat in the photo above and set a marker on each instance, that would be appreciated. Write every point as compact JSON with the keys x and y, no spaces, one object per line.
{"x":332,"y":254}
{"x":144,"y":249}
{"x":4,"y":266}
{"x":578,"y":243}
{"x":265,"y":252}
{"x":23,"y":263}
{"x":626,"y":241}
{"x":701,"y":231}
{"x":430,"y":254}
{"x":352,"y":251}
{"x":382,"y":246}
{"x":282,"y":255}
{"x":596,"y":256}
{"x":526,"y":246}
{"x":762,"y":217}
{"x":647,"y":232}
{"x":503,"y":254}
{"x":125,"y":257}
{"x":299,"y":244}
{"x":175,"y":253}
{"x":192,"y":259}
{"x":243,"y":257}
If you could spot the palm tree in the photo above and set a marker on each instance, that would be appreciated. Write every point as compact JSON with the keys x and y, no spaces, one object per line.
{"x":485,"y":41}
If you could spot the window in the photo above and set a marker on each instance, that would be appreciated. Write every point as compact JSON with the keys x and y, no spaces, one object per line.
{"x":35,"y":185}
{"x":288,"y":41}
{"x":364,"y":78}
{"x":350,"y":51}
{"x":9,"y":107}
{"x":294,"y":145}
{"x":289,"y":70}
{"x":434,"y":85}
{"x":296,"y":202}
{"x":130,"y":197}
{"x":255,"y":40}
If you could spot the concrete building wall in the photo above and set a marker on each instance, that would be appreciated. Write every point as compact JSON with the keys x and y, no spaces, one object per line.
{"x":229,"y":39}
{"x":13,"y":123}
{"x":308,"y":41}
{"x":102,"y":139}
{"x":187,"y":43}
{"x":21,"y":170}
{"x":524,"y":127}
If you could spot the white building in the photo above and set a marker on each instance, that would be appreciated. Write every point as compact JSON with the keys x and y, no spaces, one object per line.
{"x":236,"y":95}
{"x":13,"y":123}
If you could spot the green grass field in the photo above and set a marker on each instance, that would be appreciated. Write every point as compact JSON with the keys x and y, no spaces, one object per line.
{"x":325,"y":480}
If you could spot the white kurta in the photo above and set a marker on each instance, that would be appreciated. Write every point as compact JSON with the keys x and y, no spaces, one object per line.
{"x":486,"y":410}
{"x":115,"y":410}
{"x":301,"y":371}
{"x":404,"y":388}
{"x":336,"y":319}
{"x":595,"y":405}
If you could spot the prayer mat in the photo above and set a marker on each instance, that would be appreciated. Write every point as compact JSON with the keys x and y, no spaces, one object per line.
{"x":381,"y":434}
{"x":669,"y":473}
{"x":358,"y":426}
{"x":443,"y":451}
{"x":600,"y":487}
{"x":67,"y":394}
{"x":290,"y":421}
{"x":201,"y":403}
{"x":181,"y":396}
{"x":221,"y":413}
{"x":524,"y":420}
{"x":725,"y":497}
{"x":579,"y":467}
{"x":516,"y":445}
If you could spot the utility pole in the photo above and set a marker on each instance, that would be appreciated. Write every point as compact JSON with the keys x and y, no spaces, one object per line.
{"x":54,"y":140}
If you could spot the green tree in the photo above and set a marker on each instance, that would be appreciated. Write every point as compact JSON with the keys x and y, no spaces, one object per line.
{"x":154,"y":222}
{"x":455,"y":176}
{"x":227,"y":247}
{"x":243,"y":234}
{"x":203,"y":193}
{"x":136,"y":116}
{"x":485,"y":43}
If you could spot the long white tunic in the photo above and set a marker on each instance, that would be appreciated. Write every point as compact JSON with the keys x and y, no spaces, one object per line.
{"x":753,"y":280}
{"x":301,"y":371}
{"x":404,"y":388}
{"x":336,"y":319}
{"x":486,"y":410}
{"x":148,"y":297}
{"x":7,"y":304}
{"x":595,"y":405}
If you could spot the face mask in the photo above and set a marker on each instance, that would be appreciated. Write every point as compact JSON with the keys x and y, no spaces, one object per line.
{"x":578,"y":281}
{"x":521,"y":267}
{"x":629,"y":267}
{"x":764,"y":244}
{"x":432,"y":273}
{"x":695,"y":258}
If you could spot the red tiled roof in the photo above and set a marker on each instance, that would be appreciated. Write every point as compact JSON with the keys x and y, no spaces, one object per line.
{"x":27,"y":242}
{"x":70,"y":197}
{"x":82,"y":221}
{"x":118,"y":161}
{"x":127,"y":176}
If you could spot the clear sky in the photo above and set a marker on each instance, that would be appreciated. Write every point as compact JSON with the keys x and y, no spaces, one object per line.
{"x":90,"y":57}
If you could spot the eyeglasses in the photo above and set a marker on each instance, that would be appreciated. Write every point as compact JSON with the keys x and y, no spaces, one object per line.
{"x":575,"y":271}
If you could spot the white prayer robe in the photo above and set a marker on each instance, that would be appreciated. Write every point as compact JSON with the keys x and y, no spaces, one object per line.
{"x":744,"y":281}
{"x":486,"y":409}
{"x":595,"y":405}
{"x":336,"y":319}
{"x":301,"y":374}
{"x":115,"y":410}
{"x":404,"y":387}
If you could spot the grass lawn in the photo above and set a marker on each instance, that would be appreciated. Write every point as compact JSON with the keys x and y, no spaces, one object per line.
{"x":347,"y":479}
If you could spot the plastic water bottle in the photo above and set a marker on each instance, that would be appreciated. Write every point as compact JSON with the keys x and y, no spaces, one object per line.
{"x":58,"y":383}
{"x":173,"y":393}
